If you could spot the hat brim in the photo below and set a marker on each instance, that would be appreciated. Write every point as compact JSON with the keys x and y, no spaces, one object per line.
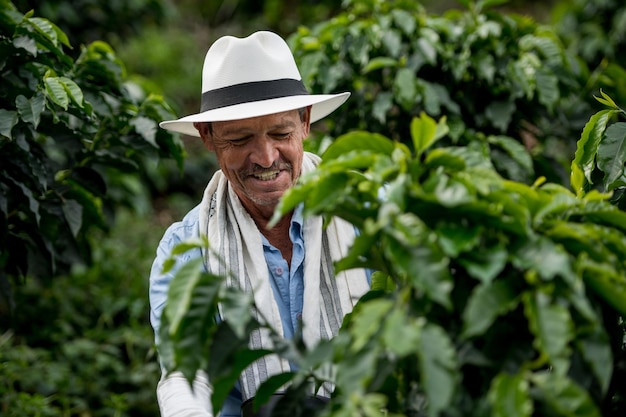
{"x":322,"y":105}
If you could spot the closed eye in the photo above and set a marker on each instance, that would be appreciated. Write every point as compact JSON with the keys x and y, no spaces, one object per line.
{"x":240,"y":141}
{"x":282,"y":135}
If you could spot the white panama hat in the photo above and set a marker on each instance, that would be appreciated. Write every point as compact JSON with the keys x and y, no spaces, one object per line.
{"x":250,"y":77}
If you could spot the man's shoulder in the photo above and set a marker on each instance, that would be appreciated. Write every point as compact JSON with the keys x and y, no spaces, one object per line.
{"x":185,"y":228}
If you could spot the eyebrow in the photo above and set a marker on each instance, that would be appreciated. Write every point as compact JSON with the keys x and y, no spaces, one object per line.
{"x":246,"y":130}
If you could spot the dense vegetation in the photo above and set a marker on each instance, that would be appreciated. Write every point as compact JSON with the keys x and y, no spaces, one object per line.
{"x":492,"y":297}
{"x":80,"y":311}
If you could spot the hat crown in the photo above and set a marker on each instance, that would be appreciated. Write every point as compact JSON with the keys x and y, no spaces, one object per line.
{"x":262,"y":56}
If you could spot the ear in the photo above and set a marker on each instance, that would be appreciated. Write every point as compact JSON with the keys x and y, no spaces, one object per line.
{"x":205,"y":134}
{"x":306,"y":121}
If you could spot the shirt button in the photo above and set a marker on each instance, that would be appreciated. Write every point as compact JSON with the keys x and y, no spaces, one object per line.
{"x":278,"y":271}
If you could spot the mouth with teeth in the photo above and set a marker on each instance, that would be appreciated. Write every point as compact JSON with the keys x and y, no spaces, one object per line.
{"x":266,"y":175}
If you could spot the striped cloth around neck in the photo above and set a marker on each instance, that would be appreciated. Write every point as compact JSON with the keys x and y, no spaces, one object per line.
{"x":235,"y":237}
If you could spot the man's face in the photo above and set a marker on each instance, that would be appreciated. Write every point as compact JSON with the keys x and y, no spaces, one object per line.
{"x":260,"y":156}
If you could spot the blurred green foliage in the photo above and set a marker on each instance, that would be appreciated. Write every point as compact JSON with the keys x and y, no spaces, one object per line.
{"x":82,"y":344}
{"x":491,"y":297}
{"x":595,"y":31}
{"x":75,"y":137}
{"x":503,"y":77}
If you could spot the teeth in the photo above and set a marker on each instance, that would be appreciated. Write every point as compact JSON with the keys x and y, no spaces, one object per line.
{"x":265,"y":176}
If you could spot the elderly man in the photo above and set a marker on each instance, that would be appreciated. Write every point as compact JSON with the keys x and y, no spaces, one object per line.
{"x":255,"y":115}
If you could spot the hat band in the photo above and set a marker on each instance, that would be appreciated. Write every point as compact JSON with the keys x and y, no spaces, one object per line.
{"x":250,"y":92}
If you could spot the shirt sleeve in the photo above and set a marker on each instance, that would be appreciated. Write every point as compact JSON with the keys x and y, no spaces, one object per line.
{"x":177,"y":398}
{"x":159,"y":281}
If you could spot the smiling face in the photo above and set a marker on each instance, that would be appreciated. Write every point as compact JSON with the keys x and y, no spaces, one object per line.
{"x":260,"y":156}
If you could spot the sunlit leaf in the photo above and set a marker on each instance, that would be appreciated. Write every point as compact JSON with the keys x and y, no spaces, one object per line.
{"x":182,"y":289}
{"x":74,"y":92}
{"x":358,"y":140}
{"x":587,"y":145}
{"x":612,"y":155}
{"x":56,"y":91}
{"x":378,"y":63}
{"x":509,"y":396}
{"x":423,"y":132}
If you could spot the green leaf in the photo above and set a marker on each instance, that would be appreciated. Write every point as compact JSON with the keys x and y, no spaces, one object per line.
{"x":587,"y":145}
{"x":425,"y":131}
{"x":26,"y":43}
{"x":563,"y":397}
{"x":229,"y":369}
{"x":405,"y":88}
{"x":147,"y":129}
{"x":543,"y":256}
{"x":378,"y":63}
{"x":358,"y":140}
{"x":606,"y":100}
{"x":485,"y":266}
{"x":547,"y":88}
{"x":57,"y":92}
{"x":30,"y":110}
{"x":485,"y":4}
{"x":401,"y":332}
{"x":514,"y":149}
{"x":577,"y":180}
{"x":238,"y":304}
{"x":405,"y":20}
{"x":45,"y":27}
{"x":382,"y":104}
{"x":596,"y":351}
{"x":8,"y":119}
{"x":552,"y":326}
{"x":366,"y":323}
{"x":330,"y":190}
{"x":500,"y":113}
{"x":486,"y":303}
{"x":73,"y":91}
{"x":189,"y":244}
{"x":270,"y":386}
{"x":509,"y":396}
{"x":182,"y":290}
{"x":73,"y":212}
{"x":606,"y":282}
{"x":392,"y":41}
{"x":612,"y":156}
{"x":456,"y":238}
{"x":438,"y":364}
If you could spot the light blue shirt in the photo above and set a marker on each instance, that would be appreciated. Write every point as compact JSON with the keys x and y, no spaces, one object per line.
{"x":287,"y":283}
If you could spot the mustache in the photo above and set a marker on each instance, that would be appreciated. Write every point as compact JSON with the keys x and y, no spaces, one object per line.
{"x":256,"y":169}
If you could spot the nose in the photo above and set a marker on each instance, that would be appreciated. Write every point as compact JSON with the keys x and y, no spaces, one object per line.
{"x":265,"y":152}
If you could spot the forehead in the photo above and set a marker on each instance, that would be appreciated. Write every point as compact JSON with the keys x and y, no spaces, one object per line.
{"x":275,"y":120}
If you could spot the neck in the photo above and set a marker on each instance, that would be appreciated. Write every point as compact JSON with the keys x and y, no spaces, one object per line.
{"x":278,"y":235}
